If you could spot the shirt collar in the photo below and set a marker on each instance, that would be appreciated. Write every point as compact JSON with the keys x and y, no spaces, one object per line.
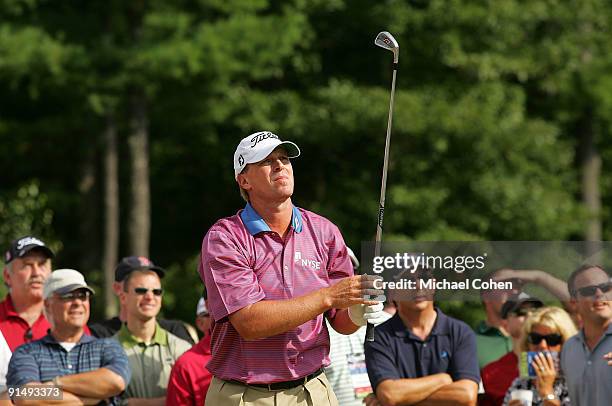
{"x":255,"y":224}
{"x":49,"y":339}
{"x":582,"y":337}
{"x":440,"y":327}
{"x":9,"y":308}
{"x":127,"y":340}
{"x":486,"y":330}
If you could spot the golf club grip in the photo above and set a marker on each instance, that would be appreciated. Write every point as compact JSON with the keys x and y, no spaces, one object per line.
{"x":370,"y":332}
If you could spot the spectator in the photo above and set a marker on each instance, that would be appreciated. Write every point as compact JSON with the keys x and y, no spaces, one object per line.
{"x":493,"y":340}
{"x":189,"y":379}
{"x":273,"y":272}
{"x":499,"y":375}
{"x":88,"y":370}
{"x":585,"y":356}
{"x":151,"y":350}
{"x":346,"y":371}
{"x":108,"y":328}
{"x":545,"y":331}
{"x":422,"y":355}
{"x":28,"y":264}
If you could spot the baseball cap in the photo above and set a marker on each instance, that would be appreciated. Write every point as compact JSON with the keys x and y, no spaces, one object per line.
{"x":135,"y":263}
{"x":63,"y":281}
{"x":257,"y":146}
{"x":21,"y":246}
{"x":516,"y":302}
{"x":201,"y":307}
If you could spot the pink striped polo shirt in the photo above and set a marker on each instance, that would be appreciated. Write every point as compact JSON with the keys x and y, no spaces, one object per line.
{"x":243,"y":262}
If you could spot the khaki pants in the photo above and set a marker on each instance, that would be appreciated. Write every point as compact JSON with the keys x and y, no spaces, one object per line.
{"x":316,"y":392}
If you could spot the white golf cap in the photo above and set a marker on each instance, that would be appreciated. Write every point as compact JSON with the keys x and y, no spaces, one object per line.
{"x":257,"y":146}
{"x":64,"y":281}
{"x":201,"y":307}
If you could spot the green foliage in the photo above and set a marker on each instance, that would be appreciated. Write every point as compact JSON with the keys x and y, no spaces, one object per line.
{"x":27,"y":212}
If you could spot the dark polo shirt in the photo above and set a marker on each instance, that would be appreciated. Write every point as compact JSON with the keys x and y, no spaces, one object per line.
{"x":396,"y":353}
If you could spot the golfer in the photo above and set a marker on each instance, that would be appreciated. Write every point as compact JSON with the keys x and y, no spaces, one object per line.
{"x":272,"y":272}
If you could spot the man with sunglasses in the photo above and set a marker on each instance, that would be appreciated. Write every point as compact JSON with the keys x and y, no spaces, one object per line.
{"x":108,"y":328}
{"x":87,"y":370}
{"x":151,"y":350}
{"x":584,"y":357}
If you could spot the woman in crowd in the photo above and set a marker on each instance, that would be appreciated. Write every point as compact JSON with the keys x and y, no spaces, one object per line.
{"x":544,"y":332}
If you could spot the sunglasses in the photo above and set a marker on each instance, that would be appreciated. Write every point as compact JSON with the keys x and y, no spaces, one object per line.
{"x":592,"y":290}
{"x":551,"y":339}
{"x":83,"y":295}
{"x":143,"y":291}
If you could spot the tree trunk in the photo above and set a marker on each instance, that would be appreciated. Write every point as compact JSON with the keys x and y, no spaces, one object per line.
{"x":111,"y":214}
{"x":138,"y":140}
{"x":88,"y":212}
{"x":590,"y":168}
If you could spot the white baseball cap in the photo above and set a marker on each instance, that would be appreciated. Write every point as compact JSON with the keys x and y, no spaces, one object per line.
{"x":257,"y":146}
{"x":201,"y":307}
{"x":64,"y":281}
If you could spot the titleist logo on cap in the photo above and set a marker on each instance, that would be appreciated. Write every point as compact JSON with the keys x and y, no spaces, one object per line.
{"x":262,"y":136}
{"x":29,"y":241}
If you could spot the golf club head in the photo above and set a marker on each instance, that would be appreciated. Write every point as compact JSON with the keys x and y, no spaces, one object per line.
{"x":385,"y":40}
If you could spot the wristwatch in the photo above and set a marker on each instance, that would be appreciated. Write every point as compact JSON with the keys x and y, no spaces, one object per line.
{"x":550,"y":396}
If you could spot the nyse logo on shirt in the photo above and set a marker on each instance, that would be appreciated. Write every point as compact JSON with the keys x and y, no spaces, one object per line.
{"x":310,"y":263}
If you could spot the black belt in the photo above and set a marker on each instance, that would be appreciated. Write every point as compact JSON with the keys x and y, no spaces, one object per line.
{"x":286,"y":384}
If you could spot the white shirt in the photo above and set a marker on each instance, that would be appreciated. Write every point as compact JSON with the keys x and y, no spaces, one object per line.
{"x":5,"y":357}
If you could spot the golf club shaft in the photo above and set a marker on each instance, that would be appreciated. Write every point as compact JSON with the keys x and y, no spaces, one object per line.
{"x":383,"y":188}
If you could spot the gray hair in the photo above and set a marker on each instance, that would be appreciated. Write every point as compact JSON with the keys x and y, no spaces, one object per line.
{"x":243,"y":193}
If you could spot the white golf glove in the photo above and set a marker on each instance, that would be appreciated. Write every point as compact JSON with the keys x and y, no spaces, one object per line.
{"x":361,"y":314}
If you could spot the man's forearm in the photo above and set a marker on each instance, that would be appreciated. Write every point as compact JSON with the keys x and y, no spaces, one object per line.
{"x":554,"y":285}
{"x":101,"y":383}
{"x":398,"y":392}
{"x":342,"y":323}
{"x":271,"y":317}
{"x":461,"y":393}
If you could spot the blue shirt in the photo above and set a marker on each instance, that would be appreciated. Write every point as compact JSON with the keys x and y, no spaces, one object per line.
{"x":44,"y":359}
{"x":396,"y":353}
{"x":587,"y":373}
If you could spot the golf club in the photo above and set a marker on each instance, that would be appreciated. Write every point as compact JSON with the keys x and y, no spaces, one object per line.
{"x":384,"y":40}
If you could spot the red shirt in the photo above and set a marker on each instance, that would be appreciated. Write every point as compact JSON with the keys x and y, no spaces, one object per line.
{"x":16,"y":330}
{"x":497,"y":378}
{"x":189,"y":379}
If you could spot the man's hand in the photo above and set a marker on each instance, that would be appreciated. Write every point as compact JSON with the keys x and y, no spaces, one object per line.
{"x":371,"y":400}
{"x":608,"y":356}
{"x":363,"y":314}
{"x":352,"y":291}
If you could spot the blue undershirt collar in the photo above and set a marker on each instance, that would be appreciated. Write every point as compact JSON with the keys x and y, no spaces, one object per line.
{"x":255,"y":224}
